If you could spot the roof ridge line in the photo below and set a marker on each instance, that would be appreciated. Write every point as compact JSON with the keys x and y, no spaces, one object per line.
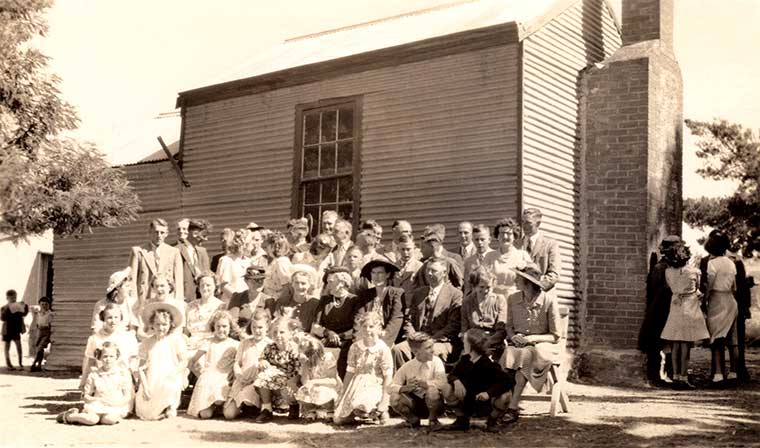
{"x":382,"y":20}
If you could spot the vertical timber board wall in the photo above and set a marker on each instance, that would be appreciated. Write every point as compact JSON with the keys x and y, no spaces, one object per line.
{"x":82,"y":265}
{"x":553,"y":57}
{"x":438,"y":144}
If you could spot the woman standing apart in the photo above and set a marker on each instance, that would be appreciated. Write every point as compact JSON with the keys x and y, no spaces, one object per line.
{"x":721,"y":305}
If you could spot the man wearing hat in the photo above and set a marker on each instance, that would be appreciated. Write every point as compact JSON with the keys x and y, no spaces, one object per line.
{"x":195,"y":260}
{"x":432,"y":247}
{"x":434,"y":309}
{"x":156,"y":257}
{"x":384,"y":299}
{"x":243,"y":304}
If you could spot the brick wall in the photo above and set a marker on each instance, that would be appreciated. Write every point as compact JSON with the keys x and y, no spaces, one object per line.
{"x":631,"y":149}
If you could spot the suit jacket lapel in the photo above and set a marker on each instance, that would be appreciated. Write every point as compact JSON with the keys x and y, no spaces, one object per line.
{"x":421,"y":298}
{"x":443,"y":296}
{"x":150,"y":261}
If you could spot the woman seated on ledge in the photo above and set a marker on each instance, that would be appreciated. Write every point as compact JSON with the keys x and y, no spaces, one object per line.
{"x":533,"y":332}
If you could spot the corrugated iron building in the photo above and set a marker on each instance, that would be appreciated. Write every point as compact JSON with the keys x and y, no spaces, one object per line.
{"x":465,"y":112}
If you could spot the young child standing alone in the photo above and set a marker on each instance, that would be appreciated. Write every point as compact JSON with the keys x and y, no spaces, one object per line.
{"x":43,"y":321}
{"x":12,"y":315}
{"x":107,"y":391}
{"x":163,"y":363}
{"x":368,"y":375}
{"x":213,"y":383}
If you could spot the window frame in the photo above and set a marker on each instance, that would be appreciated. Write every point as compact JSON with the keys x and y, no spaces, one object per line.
{"x":296,"y":197}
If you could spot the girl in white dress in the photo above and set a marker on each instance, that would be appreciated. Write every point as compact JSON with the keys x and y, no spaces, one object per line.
{"x":162,"y":291}
{"x":246,"y":367}
{"x":685,"y":324}
{"x":163,"y":363}
{"x":111,"y":330}
{"x":319,"y":375}
{"x":368,"y":376}
{"x":107,"y":392}
{"x":219,"y":351}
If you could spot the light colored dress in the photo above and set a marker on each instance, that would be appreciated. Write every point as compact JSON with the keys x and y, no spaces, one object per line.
{"x":277,"y":276}
{"x":722,"y":309}
{"x":125,"y":340}
{"x":179,"y":303}
{"x":320,"y":394}
{"x":501,"y":266}
{"x":113,"y":392}
{"x":129,"y":313}
{"x":247,"y":358}
{"x":198,"y":316}
{"x":213,"y":385}
{"x":231,"y":273}
{"x":539,"y":317}
{"x":369,"y":365}
{"x":164,"y":375}
{"x":685,"y":320}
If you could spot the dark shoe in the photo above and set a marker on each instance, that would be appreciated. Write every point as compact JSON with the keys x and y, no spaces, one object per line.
{"x":10,"y":367}
{"x":63,"y":417}
{"x":460,"y":424}
{"x":511,"y":416}
{"x":35,"y":369}
{"x":265,"y":416}
{"x":293,"y":412}
{"x":492,"y":424}
{"x":434,"y":425}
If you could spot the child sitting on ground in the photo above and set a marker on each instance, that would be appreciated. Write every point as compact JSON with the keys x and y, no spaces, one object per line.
{"x":107,"y":391}
{"x":163,"y":363}
{"x":213,"y":384}
{"x":319,"y":376}
{"x":417,"y":388}
{"x":368,"y":376}
{"x":243,"y":392}
{"x":278,"y":369}
{"x":477,"y":385}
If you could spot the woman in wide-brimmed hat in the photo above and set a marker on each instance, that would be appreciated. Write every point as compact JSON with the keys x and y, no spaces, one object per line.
{"x":533,"y":334}
{"x":120,"y":292}
{"x":382,"y":298}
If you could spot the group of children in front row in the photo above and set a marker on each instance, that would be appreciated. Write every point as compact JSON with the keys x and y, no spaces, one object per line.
{"x":277,"y":366}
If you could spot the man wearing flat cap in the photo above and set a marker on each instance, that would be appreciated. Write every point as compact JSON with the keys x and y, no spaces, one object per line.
{"x":432,"y":247}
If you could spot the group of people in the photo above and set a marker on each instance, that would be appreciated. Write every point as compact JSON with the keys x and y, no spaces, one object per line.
{"x":336,"y":328}
{"x":690,"y":301}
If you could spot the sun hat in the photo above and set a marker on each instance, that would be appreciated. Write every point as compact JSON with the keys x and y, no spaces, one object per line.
{"x":530,"y":273}
{"x":390,"y":268}
{"x":152,"y":307}
{"x":117,"y":278}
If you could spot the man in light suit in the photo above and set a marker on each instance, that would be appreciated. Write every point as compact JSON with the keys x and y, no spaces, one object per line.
{"x":543,"y":250}
{"x":342,"y":234}
{"x":434,"y":309}
{"x":195,"y":259}
{"x":156,"y":257}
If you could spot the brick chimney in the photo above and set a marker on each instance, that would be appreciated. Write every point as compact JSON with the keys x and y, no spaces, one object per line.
{"x":648,"y":20}
{"x":631,"y":125}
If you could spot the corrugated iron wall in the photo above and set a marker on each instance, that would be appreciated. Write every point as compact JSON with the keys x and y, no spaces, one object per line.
{"x":552,"y":58}
{"x":82,"y":265}
{"x":438,"y":144}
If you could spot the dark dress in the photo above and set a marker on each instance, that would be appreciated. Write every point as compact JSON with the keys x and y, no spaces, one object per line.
{"x":338,"y":316}
{"x":390,"y":306}
{"x":305,"y":312}
{"x":13,"y":321}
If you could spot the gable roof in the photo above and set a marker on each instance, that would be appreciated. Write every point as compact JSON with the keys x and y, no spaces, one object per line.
{"x":449,"y":28}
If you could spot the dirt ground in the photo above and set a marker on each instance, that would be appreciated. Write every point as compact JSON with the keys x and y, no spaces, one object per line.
{"x":599,"y":416}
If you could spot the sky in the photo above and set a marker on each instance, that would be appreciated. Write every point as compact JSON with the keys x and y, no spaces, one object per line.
{"x":123,"y":63}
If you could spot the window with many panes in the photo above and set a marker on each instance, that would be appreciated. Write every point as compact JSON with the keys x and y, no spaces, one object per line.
{"x":327,"y":160}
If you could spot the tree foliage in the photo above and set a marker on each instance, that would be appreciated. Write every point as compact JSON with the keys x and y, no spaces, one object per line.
{"x":47,"y":180}
{"x":729,"y":152}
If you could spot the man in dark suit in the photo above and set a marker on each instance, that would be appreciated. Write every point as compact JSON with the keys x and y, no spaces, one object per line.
{"x":156,"y":257}
{"x":543,"y":250}
{"x":195,"y":259}
{"x":434,"y":309}
{"x":432,"y":247}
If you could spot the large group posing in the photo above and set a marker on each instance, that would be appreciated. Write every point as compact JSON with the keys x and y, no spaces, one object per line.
{"x":326,"y":328}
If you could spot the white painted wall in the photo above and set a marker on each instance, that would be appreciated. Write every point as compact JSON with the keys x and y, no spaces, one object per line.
{"x":20,"y":267}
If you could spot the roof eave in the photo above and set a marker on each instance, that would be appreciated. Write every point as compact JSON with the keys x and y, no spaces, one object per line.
{"x":471,"y":40}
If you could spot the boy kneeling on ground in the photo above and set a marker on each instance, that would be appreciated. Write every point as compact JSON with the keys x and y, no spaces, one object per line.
{"x":417,"y":388}
{"x":477,"y":385}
